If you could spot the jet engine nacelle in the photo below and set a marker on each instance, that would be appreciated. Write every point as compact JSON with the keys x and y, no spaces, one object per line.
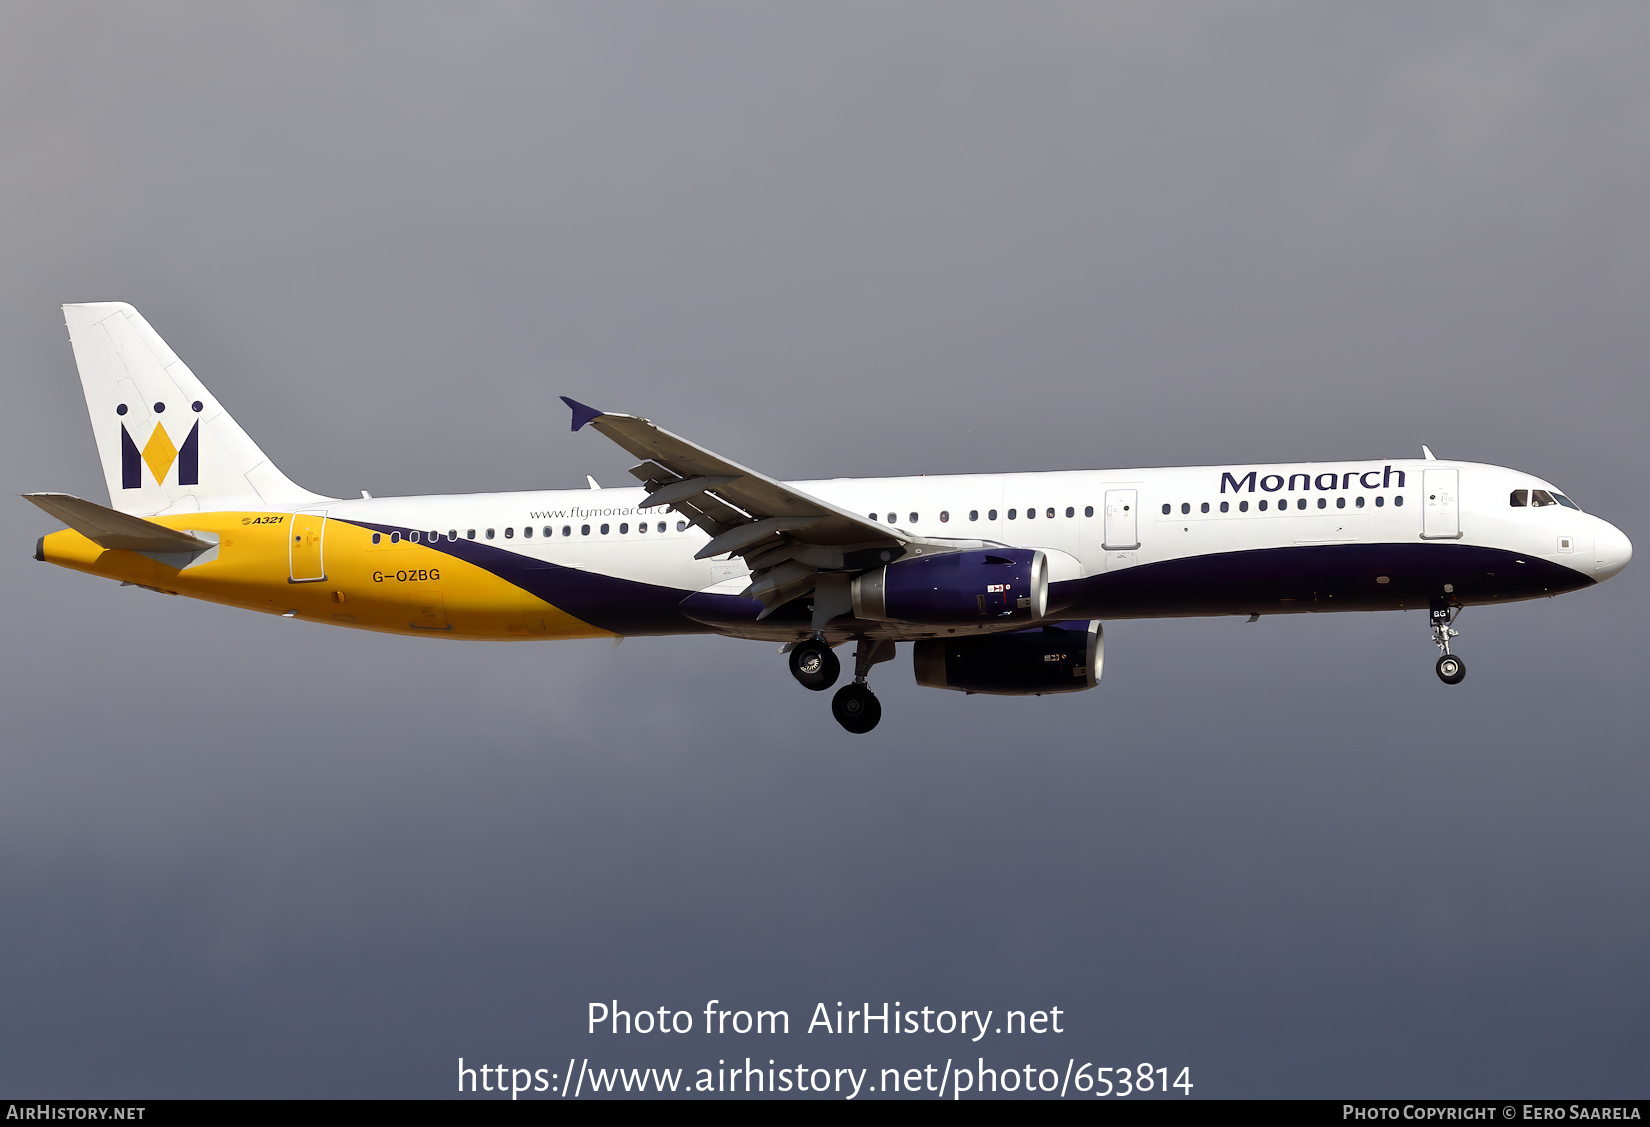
{"x":956,"y":589}
{"x":1062,"y":658}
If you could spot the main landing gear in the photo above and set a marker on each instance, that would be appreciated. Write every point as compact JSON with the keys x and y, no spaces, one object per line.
{"x":1451,"y":669}
{"x":814,"y":665}
{"x":855,"y":706}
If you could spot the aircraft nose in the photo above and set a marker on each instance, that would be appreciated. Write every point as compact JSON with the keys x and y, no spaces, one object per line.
{"x":1611,"y":550}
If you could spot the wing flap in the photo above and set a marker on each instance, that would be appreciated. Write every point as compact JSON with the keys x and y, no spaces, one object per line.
{"x":726,"y":485}
{"x":787,"y":537}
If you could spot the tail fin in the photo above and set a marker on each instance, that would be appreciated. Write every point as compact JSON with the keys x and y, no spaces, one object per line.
{"x":167,"y":445}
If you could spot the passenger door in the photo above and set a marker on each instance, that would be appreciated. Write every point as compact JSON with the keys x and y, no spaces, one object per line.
{"x":1440,"y":505}
{"x":1122,"y":531}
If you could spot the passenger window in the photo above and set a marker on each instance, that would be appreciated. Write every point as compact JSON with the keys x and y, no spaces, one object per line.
{"x":641,"y":526}
{"x":509,"y":533}
{"x":1031,"y":514}
{"x":1184,"y":508}
{"x":1012,"y":513}
{"x":1088,"y":510}
{"x":489,"y":534}
{"x":470,"y":534}
{"x":434,"y":536}
{"x":1225,"y":506}
{"x":1243,"y":506}
{"x":584,"y":530}
{"x":1398,"y":500}
{"x":1379,"y":501}
{"x":661,"y":527}
{"x":527,"y":531}
{"x":681,"y":526}
{"x":1540,"y":498}
{"x":1205,"y":507}
{"x":567,"y":530}
{"x":1050,"y":514}
{"x":973,"y":514}
{"x":945,"y":516}
{"x":1519,"y":499}
{"x":395,"y":538}
{"x":1070,"y":512}
{"x":605,"y":529}
{"x":992,"y":515}
{"x":452,"y":534}
{"x":376,"y":537}
{"x":1300,"y":502}
{"x":1323,"y":502}
{"x":1340,"y":502}
{"x":913,"y":518}
{"x":413,"y":536}
{"x":624,"y":528}
{"x":873,"y":516}
{"x":1360,"y":502}
{"x":1166,"y":510}
{"x":1261,"y":506}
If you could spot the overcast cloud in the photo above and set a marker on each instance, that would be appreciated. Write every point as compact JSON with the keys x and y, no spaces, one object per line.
{"x":242,"y":856}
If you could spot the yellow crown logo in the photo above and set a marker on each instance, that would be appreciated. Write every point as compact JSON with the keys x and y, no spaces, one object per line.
{"x":159,"y":454}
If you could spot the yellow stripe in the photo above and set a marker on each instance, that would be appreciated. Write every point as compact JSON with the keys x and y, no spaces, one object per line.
{"x":394,"y":588}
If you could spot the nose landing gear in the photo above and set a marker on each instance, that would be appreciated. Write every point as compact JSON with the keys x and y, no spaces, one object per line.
{"x":1451,"y":669}
{"x":855,"y":706}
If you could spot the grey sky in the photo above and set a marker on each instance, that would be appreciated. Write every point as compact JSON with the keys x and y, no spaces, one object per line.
{"x":243,"y":856}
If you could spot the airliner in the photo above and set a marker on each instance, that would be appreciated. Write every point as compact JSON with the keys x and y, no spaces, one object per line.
{"x":999,"y":581}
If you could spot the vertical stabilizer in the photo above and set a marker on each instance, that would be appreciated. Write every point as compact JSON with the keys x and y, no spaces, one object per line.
{"x":166,"y":443}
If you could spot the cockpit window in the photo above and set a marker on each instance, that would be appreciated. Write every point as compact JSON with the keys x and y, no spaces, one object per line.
{"x":1540,"y":497}
{"x":1520,"y":498}
{"x":1566,"y":502}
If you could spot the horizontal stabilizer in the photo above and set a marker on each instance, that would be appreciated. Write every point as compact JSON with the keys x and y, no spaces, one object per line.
{"x":110,"y":529}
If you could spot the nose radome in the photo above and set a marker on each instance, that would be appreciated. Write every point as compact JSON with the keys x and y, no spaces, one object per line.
{"x":1611,"y":550}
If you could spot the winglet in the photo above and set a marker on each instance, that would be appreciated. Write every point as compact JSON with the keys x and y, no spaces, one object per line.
{"x":1424,"y":451}
{"x":581,"y":413}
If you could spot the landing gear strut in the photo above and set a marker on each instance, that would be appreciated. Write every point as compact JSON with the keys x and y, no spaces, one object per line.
{"x":814,"y":665}
{"x":1451,"y":669}
{"x":855,"y":706}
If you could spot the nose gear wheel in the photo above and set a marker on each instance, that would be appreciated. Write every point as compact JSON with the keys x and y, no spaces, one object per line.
{"x":1451,"y":669}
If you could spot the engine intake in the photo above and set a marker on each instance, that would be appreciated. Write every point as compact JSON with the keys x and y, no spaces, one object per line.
{"x":1062,"y":658}
{"x":956,"y":589}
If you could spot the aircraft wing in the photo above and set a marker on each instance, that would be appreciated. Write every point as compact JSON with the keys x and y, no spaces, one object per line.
{"x":110,"y":529}
{"x":788,"y":538}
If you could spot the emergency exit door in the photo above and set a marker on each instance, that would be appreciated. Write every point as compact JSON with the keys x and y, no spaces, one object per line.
{"x":304,"y":547}
{"x":1440,"y":505}
{"x":1122,"y":516}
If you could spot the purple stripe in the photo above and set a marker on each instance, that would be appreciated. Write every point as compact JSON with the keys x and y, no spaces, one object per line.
{"x":623,"y":606}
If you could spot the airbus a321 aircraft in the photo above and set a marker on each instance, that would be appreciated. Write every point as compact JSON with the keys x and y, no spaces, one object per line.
{"x":1000,"y":581}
